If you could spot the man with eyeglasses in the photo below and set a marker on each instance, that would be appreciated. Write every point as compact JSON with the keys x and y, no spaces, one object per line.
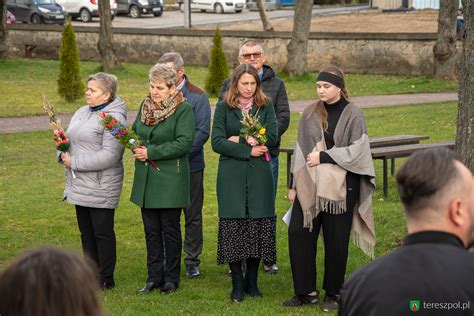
{"x":251,"y":52}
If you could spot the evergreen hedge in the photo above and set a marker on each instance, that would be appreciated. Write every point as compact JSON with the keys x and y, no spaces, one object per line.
{"x":218,"y":70}
{"x":70,"y":85}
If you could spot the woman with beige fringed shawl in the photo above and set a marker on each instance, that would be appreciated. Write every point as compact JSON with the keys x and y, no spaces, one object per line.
{"x":333,"y":179}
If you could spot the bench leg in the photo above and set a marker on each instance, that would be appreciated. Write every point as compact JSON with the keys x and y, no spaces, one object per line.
{"x":393,"y":166}
{"x":385,"y":177}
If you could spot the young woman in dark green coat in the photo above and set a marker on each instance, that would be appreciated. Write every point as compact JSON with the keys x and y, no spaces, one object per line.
{"x":165,"y":125}
{"x":244,"y":182}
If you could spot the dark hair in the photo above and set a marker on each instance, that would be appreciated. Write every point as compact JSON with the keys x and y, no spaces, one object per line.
{"x":425,"y":174}
{"x":48,"y":281}
{"x":232,"y":93}
{"x":319,"y":105}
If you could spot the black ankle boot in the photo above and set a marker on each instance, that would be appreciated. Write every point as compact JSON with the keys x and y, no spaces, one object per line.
{"x":237,"y":294}
{"x":251,"y":277}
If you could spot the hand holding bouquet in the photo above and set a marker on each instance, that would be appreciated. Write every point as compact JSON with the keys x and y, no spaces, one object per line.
{"x":124,"y":134}
{"x":253,"y":131}
{"x":62,"y":142}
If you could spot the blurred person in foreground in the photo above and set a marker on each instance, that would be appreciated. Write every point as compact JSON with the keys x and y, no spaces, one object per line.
{"x":432,"y":272}
{"x":47,"y":281}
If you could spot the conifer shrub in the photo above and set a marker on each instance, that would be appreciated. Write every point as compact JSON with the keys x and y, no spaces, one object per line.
{"x":217,"y":71}
{"x":70,"y":85}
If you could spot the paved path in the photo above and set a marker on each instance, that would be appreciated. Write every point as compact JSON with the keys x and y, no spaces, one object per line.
{"x":34,"y":123}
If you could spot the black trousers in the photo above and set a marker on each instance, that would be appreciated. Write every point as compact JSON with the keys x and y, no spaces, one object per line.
{"x":303,"y":247}
{"x":163,"y":241}
{"x":98,"y":239}
{"x":193,"y":239}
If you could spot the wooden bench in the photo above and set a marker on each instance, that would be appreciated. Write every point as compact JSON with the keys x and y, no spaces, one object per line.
{"x":375,"y":142}
{"x":386,"y":153}
{"x":385,"y":148}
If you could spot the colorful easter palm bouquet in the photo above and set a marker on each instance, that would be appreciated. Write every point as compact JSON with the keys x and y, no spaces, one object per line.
{"x":124,"y":134}
{"x":62,"y":142}
{"x":253,"y":131}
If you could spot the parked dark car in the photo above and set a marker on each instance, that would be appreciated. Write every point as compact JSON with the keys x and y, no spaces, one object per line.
{"x":135,"y":8}
{"x":37,"y":11}
{"x":10,"y":18}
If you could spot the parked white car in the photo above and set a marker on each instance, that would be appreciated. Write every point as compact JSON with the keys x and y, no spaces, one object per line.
{"x":85,"y":9}
{"x":218,"y":6}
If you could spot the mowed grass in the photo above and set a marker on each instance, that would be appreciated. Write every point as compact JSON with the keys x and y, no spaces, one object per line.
{"x":32,"y":214}
{"x":23,"y":82}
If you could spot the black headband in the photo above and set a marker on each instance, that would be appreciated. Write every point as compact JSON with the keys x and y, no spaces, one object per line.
{"x":331,"y":78}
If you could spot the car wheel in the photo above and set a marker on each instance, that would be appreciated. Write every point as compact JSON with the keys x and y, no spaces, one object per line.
{"x":112,"y":17}
{"x":36,"y":19}
{"x":135,"y":12}
{"x":158,"y":13}
{"x":181,"y":6}
{"x":218,"y":8}
{"x":85,"y":15}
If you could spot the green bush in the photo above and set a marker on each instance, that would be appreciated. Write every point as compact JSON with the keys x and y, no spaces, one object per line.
{"x":70,"y":85}
{"x":218,"y":70}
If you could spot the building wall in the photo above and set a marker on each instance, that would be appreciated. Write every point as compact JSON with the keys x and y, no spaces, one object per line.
{"x":391,"y":4}
{"x":377,"y":53}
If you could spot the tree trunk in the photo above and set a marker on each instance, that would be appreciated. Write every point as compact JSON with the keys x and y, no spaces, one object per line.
{"x":267,"y":26}
{"x":445,"y":48}
{"x":3,"y":29}
{"x":106,"y":49}
{"x":465,"y":124}
{"x":298,"y":46}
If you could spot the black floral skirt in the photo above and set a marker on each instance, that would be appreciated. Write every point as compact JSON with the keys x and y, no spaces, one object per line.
{"x":240,"y":239}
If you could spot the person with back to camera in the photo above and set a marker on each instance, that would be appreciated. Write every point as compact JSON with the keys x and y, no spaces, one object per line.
{"x":165,"y":125}
{"x":95,"y":157}
{"x":432,"y":272}
{"x":332,"y":186}
{"x":244,"y":182}
{"x":47,"y":281}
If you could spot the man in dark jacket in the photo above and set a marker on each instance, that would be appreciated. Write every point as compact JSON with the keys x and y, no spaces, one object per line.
{"x":199,"y":101}
{"x":251,"y":52}
{"x":432,"y":272}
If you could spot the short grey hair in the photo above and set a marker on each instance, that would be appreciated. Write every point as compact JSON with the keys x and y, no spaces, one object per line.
{"x":107,"y":82}
{"x":174,"y":58}
{"x":163,"y":72}
{"x":250,"y":43}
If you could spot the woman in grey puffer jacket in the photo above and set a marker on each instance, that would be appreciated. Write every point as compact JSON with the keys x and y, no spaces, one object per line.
{"x":94,"y":186}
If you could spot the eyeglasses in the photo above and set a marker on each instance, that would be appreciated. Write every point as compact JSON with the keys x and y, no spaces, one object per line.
{"x":249,"y":56}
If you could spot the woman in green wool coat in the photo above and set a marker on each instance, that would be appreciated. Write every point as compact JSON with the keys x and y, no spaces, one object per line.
{"x":165,"y":125}
{"x":244,"y":182}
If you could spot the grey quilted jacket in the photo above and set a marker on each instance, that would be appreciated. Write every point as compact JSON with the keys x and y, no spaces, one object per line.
{"x":96,"y":158}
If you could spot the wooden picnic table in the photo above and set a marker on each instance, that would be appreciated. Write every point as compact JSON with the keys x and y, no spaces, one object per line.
{"x":393,"y":152}
{"x":375,"y":142}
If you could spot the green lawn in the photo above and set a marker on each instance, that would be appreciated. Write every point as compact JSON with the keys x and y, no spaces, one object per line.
{"x":24,"y":81}
{"x":32,"y":213}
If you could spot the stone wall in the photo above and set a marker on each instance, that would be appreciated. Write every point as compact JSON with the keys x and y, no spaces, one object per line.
{"x":406,"y":54}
